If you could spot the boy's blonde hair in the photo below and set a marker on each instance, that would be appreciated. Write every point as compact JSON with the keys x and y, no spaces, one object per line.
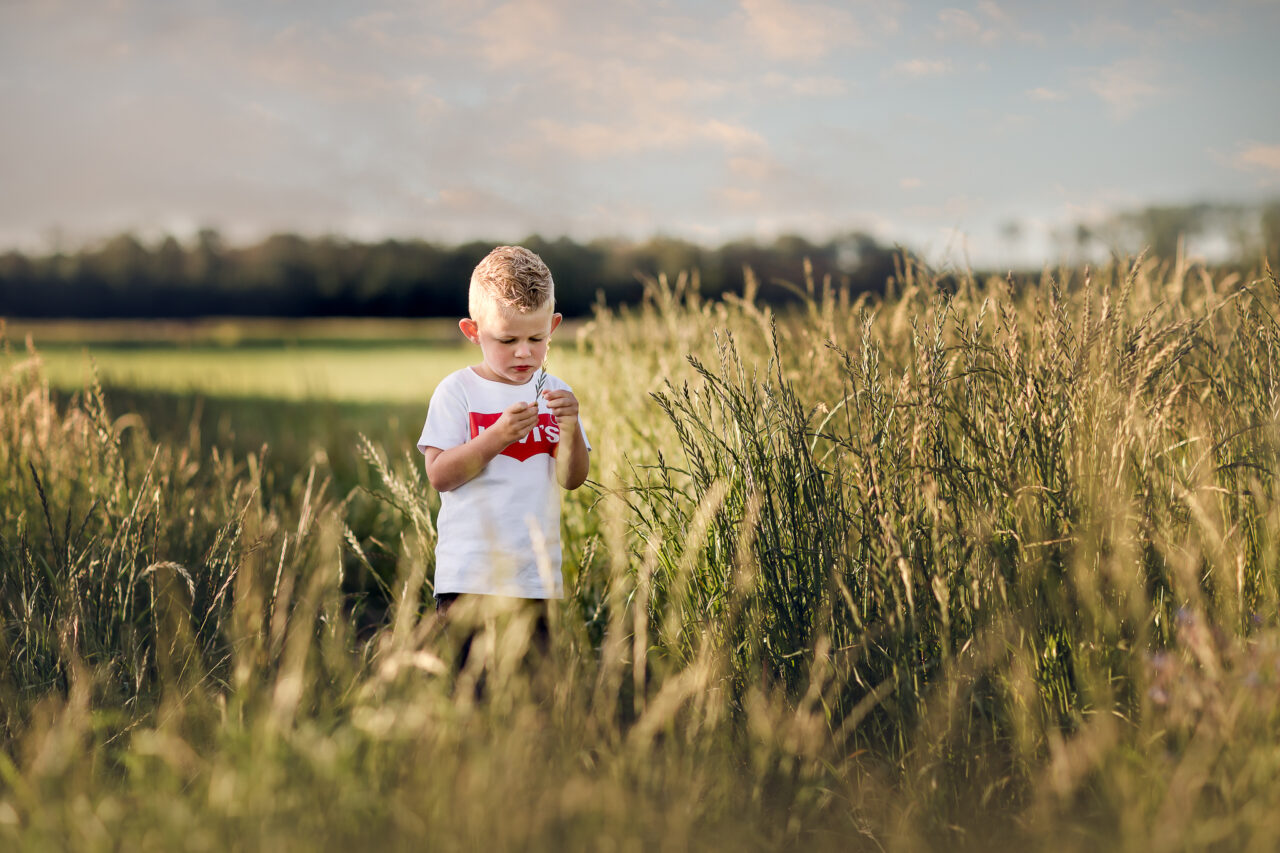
{"x":510,"y":279}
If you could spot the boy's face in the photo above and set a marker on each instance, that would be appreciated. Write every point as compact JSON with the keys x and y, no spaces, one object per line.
{"x":514,"y":345}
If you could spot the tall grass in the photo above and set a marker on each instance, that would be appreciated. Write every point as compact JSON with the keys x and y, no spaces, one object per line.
{"x":974,"y":563}
{"x":974,"y":524}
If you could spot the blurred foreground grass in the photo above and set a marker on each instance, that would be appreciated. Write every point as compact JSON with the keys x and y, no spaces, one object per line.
{"x":968,"y":567}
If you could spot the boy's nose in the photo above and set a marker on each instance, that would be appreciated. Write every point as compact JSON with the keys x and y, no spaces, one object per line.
{"x":523,"y":351}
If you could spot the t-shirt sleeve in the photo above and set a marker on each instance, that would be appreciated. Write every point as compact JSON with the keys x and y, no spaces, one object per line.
{"x":446,"y":424}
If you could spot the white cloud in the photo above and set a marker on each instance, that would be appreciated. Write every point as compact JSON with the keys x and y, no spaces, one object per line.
{"x":806,"y":87}
{"x":990,"y":25}
{"x":993,"y":11}
{"x":755,"y":168}
{"x":1125,"y":85}
{"x":473,"y":203}
{"x":523,"y":33}
{"x":1189,"y":23}
{"x":1258,"y":156}
{"x":1103,"y":29}
{"x":1041,"y":93}
{"x":615,"y":85}
{"x":1010,"y":122}
{"x":763,"y":192}
{"x":659,"y":131}
{"x":739,"y":197}
{"x":1167,"y":22}
{"x":805,"y":31}
{"x":457,"y":119}
{"x":954,"y":207}
{"x":308,"y":63}
{"x":923,"y":67}
{"x":958,"y":24}
{"x":1091,"y":206}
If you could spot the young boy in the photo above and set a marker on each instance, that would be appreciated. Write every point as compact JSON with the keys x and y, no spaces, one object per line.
{"x":495,"y":449}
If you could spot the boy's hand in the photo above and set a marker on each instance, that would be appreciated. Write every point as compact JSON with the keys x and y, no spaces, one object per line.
{"x":449,"y":469}
{"x":573,"y":462}
{"x":562,"y":405}
{"x":516,"y":421}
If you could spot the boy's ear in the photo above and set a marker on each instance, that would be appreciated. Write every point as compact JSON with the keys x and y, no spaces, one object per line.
{"x":470,"y":329}
{"x":555,"y":321}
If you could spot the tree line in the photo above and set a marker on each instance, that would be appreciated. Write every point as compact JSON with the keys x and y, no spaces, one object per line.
{"x":1234,"y":233}
{"x":288,"y":275}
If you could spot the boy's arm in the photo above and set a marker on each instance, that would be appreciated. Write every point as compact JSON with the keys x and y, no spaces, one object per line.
{"x":448,"y":469}
{"x":573,"y":459}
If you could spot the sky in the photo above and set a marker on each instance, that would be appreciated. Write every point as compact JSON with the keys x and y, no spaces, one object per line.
{"x":929,"y":124}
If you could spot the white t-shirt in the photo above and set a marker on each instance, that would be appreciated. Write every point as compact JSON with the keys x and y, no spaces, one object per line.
{"x":499,"y":533}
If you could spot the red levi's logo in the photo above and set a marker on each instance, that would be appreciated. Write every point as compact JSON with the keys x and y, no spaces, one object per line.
{"x":543,"y":438}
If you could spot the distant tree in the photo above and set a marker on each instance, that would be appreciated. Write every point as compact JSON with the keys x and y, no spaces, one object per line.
{"x":17,"y":276}
{"x":122,"y":261}
{"x":1160,"y":228}
{"x":169,"y":262}
{"x":1011,"y":235}
{"x":1270,"y":228}
{"x":1084,"y":236}
{"x":205,"y":260}
{"x":575,"y":268}
{"x":295,"y":275}
{"x":624,"y":265}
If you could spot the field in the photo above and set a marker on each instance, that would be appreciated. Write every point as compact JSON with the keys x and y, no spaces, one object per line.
{"x":352,"y":361}
{"x":299,"y":387}
{"x":967,"y":566}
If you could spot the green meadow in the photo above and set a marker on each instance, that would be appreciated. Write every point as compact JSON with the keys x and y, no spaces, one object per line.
{"x":299,"y":387}
{"x":976,"y":564}
{"x":347,"y":374}
{"x":352,"y":361}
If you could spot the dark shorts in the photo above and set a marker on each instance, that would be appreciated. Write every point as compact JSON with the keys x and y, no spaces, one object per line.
{"x":445,"y":600}
{"x":540,"y":640}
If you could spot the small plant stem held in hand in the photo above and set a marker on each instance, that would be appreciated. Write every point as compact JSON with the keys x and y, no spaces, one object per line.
{"x":542,"y":380}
